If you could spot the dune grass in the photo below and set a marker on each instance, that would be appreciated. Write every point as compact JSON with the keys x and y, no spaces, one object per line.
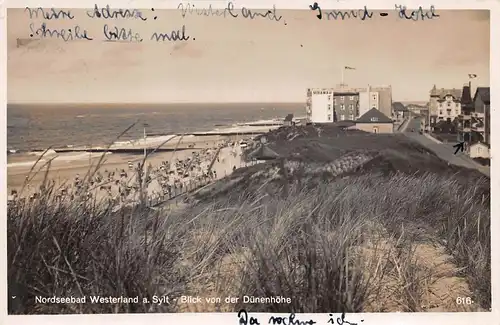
{"x":345,"y":245}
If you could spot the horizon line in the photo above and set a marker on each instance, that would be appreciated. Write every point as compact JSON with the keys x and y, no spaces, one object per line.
{"x":42,"y":103}
{"x":149,"y":103}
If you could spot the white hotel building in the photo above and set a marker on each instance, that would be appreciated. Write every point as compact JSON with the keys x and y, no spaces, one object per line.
{"x":319,"y":105}
{"x":327,"y":105}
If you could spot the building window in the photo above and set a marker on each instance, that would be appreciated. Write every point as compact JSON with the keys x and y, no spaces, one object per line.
{"x":457,"y":105}
{"x":351,"y":97}
{"x":440,"y":112}
{"x":329,"y":117}
{"x":342,"y":117}
{"x":329,"y":98}
{"x":449,"y":104}
{"x":374,"y":119}
{"x":329,"y":107}
{"x":440,"y":104}
{"x":334,"y":101}
{"x":375,"y":129}
{"x":341,"y":98}
{"x":351,"y":117}
{"x":351,"y":107}
{"x":342,"y":106}
{"x":374,"y":97}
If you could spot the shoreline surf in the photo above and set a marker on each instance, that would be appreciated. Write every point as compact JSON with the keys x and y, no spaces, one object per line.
{"x":150,"y":142}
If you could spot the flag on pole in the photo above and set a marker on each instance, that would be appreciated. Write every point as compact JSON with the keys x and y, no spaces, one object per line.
{"x":349,"y":68}
{"x":472,"y":76}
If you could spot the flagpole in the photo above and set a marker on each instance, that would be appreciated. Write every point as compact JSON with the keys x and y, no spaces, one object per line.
{"x":144,"y":129}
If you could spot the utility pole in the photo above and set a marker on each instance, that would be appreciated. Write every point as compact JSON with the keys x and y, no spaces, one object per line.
{"x":144,"y":129}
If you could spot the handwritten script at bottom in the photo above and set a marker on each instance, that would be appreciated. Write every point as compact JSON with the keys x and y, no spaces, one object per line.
{"x":245,"y":319}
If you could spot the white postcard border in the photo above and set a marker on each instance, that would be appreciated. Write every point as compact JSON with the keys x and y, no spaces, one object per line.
{"x":231,"y":318}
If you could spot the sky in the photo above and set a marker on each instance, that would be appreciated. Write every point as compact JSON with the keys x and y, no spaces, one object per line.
{"x":243,"y":60}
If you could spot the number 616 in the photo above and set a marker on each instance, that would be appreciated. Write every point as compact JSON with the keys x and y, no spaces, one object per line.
{"x":464,"y":301}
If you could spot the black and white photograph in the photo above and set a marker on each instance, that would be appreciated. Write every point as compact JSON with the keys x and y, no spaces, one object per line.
{"x":220,"y":158}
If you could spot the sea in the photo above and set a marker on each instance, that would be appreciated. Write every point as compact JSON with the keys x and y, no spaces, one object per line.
{"x":38,"y":127}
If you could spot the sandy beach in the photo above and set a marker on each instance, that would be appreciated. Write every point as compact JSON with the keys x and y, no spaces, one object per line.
{"x":186,"y":168}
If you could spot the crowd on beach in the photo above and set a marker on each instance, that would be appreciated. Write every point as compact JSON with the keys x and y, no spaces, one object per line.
{"x":169,"y":179}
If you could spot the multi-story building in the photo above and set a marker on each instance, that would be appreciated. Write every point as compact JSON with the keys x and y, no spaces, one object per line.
{"x":320,"y":105}
{"x":464,"y":119}
{"x":444,"y":105}
{"x":364,"y":103}
{"x":373,"y":99}
{"x":480,"y":122}
{"x":348,"y":103}
{"x":474,"y":122}
{"x":382,"y":99}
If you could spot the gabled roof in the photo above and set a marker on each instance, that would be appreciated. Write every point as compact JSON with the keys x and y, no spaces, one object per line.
{"x":466,"y":96}
{"x":399,"y":107}
{"x":441,"y":93}
{"x":484,"y":94}
{"x":374,"y":116}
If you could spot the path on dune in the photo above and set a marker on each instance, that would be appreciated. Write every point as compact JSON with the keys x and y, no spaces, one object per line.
{"x":444,"y":150}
